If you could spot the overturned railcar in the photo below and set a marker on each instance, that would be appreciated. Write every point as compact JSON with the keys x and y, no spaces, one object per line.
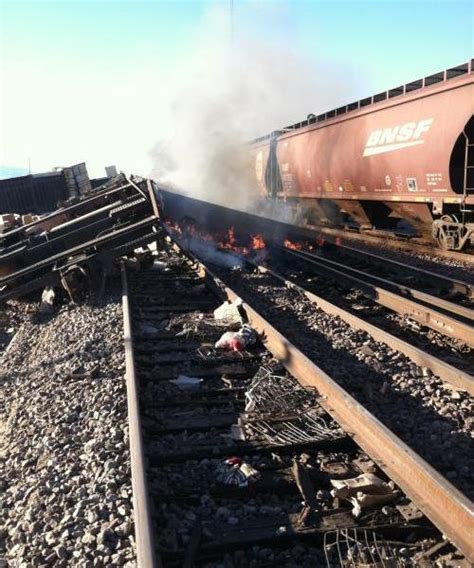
{"x":407,"y":152}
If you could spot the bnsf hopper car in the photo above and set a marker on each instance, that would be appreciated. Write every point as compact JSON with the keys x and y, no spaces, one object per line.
{"x":407,"y":152}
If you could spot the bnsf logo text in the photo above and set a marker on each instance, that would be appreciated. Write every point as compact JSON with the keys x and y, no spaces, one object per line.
{"x":397,"y":137}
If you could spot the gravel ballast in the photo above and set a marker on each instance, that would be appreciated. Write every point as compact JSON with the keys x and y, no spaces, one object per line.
{"x":442,"y":265}
{"x":433,"y":419}
{"x":451,"y":350}
{"x":67,"y":487}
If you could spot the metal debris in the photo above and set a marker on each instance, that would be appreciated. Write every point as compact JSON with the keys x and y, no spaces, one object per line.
{"x":281,"y":411}
{"x":358,"y":548}
{"x":273,"y":393}
{"x":307,"y":490}
{"x":75,"y":243}
{"x":303,"y":429}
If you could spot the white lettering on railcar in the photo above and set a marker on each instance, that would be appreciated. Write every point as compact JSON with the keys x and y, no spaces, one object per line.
{"x":396,"y":137}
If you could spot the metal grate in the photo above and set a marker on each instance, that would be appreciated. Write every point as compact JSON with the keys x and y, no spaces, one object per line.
{"x":357,"y":548}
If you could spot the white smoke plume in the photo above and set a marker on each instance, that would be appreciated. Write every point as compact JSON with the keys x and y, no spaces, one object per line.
{"x":225,"y":95}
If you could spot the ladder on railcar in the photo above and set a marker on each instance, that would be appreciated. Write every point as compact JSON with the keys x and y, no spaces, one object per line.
{"x":468,"y":179}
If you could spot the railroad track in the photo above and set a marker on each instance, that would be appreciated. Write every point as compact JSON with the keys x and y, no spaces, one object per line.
{"x":452,"y":373}
{"x":301,"y":434}
{"x":391,"y":240}
{"x":442,"y":315}
{"x":402,"y":277}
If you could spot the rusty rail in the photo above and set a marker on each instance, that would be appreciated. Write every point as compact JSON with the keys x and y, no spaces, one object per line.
{"x":439,"y":500}
{"x":445,"y":371}
{"x":443,"y":282}
{"x":393,"y":243}
{"x":146,"y":557}
{"x":402,"y":290}
{"x":444,"y":323}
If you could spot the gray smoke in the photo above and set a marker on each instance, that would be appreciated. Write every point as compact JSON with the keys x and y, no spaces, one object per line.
{"x":222,"y":97}
{"x":208,"y":252}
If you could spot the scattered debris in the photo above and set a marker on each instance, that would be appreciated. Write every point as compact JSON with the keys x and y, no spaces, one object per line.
{"x":238,"y":340}
{"x":234,"y":471}
{"x":364,"y":491}
{"x":356,"y":547}
{"x":187,"y":383}
{"x":273,"y":393}
{"x":47,"y":301}
{"x":306,"y":488}
{"x":270,"y":395}
{"x":228,"y":312}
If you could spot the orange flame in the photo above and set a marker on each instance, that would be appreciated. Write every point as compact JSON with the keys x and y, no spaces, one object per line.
{"x":294,"y":246}
{"x":226,"y":241}
{"x":257,"y":242}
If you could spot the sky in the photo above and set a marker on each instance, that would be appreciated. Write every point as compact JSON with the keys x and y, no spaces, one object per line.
{"x":105,"y":82}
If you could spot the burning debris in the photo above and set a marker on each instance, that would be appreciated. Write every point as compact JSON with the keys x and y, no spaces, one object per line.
{"x":291,"y":245}
{"x":223,"y":248}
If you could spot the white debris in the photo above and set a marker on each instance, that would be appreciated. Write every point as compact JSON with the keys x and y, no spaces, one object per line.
{"x":47,"y":300}
{"x":364,"y":491}
{"x":237,"y":340}
{"x":187,"y":383}
{"x":228,"y":312}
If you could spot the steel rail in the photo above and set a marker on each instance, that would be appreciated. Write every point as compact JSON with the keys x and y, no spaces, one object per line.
{"x":446,"y":372}
{"x":426,"y":315}
{"x":146,"y":556}
{"x":401,"y":289}
{"x":392,"y":243}
{"x":448,"y":509}
{"x":444,"y":282}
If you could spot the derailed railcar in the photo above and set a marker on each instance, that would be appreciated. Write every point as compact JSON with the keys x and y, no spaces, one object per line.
{"x":407,"y":152}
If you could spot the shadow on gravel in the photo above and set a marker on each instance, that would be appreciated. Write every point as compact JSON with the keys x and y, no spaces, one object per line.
{"x":432,"y":435}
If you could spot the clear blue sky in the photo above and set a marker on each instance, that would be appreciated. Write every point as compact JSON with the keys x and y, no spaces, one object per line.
{"x":71,"y":71}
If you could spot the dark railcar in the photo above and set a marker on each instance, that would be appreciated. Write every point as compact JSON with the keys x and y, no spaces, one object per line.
{"x":40,"y":193}
{"x":32,"y":193}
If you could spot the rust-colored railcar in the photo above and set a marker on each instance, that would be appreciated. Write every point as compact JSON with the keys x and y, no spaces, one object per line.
{"x":407,"y":152}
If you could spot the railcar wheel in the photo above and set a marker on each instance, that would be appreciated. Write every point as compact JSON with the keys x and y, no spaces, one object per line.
{"x":448,"y":234}
{"x":443,"y":240}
